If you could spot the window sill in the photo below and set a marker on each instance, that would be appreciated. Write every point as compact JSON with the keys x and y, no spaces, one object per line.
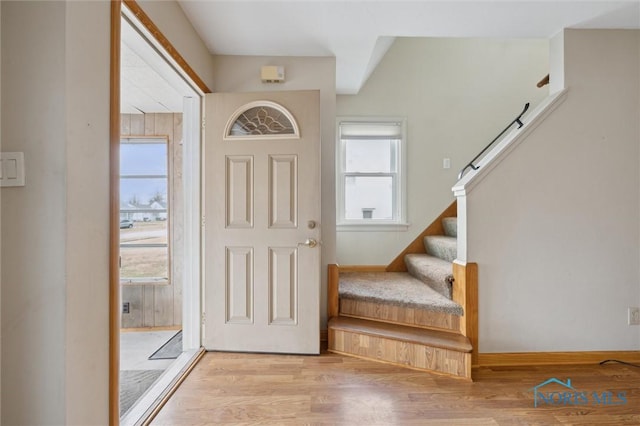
{"x":372,"y":227}
{"x":144,"y":281}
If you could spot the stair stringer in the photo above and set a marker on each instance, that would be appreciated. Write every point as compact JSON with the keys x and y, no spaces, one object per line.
{"x":417,"y":245}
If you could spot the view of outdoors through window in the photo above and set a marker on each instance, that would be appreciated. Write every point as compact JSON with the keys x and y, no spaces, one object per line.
{"x":369,"y":178}
{"x":144,"y":209}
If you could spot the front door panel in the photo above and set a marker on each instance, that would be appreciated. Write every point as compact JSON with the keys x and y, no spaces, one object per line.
{"x":262,"y":188}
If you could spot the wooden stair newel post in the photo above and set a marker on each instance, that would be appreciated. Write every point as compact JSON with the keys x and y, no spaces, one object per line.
{"x":465,"y":293}
{"x":333,"y":302}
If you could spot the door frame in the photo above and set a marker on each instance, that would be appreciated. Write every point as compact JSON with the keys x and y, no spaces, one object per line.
{"x":192,"y":311}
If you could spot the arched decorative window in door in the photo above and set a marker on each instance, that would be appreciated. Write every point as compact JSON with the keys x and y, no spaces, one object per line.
{"x":262,"y":120}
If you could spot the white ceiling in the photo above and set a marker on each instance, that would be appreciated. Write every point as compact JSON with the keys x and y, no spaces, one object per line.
{"x":143,"y":89}
{"x":358,"y":33}
{"x":148,"y":83}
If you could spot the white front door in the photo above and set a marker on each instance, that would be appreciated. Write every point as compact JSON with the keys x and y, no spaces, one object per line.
{"x":262,"y":222}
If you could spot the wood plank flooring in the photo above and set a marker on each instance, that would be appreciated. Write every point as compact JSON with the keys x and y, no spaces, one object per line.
{"x":226,"y":388}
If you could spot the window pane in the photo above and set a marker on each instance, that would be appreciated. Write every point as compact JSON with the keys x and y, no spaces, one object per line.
{"x":370,"y":156}
{"x":262,"y":120}
{"x":143,"y":159}
{"x":151,"y":231}
{"x":369,"y":197}
{"x":143,"y":193}
{"x":144,"y":262}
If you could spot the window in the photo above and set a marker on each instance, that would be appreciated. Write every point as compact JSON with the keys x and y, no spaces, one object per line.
{"x":370,"y":168}
{"x":262,"y":120}
{"x":144,"y":210}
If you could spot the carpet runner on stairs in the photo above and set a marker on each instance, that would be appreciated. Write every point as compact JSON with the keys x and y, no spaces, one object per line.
{"x":394,"y":288}
{"x":406,"y":318}
{"x":433,"y":271}
{"x":427,"y":284}
{"x":442,"y":246}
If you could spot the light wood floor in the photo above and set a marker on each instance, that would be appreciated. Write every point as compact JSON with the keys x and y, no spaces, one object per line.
{"x":332,"y":389}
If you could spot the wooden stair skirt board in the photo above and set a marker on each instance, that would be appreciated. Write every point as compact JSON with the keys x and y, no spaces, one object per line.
{"x":420,"y":349}
{"x":399,"y":315}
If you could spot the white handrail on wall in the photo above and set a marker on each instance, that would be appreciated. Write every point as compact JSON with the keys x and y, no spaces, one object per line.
{"x":499,"y":152}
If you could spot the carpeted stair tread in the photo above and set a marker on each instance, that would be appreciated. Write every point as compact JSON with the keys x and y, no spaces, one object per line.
{"x":441,"y":246}
{"x":433,"y":271}
{"x":433,"y":338}
{"x":395,"y":288}
{"x":450,"y":225}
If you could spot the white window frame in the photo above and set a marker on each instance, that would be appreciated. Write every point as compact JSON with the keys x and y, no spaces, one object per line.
{"x":399,"y":221}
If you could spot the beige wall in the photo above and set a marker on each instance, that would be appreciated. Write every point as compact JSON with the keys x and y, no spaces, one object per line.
{"x":173,"y":23}
{"x":54,"y":313}
{"x":457,"y":95}
{"x":33,"y":271}
{"x":555,"y":226}
{"x":0,"y":214}
{"x":154,"y":305}
{"x":54,"y":279}
{"x":85,"y":179}
{"x":242,"y":74}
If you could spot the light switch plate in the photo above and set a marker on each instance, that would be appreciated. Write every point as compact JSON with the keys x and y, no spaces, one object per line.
{"x":11,"y":169}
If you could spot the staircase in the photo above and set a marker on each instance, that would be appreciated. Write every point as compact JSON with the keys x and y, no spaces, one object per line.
{"x":410,"y":313}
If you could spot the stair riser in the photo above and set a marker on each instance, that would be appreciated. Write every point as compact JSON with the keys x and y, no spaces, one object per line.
{"x":401,"y":353}
{"x":400,"y":315}
{"x":450,"y":226}
{"x":438,"y":248}
{"x":435,"y":281}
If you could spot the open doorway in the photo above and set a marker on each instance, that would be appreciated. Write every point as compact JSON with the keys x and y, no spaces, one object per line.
{"x":159,"y":232}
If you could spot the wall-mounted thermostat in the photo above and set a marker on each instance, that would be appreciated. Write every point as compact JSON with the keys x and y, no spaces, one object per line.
{"x":272,"y":74}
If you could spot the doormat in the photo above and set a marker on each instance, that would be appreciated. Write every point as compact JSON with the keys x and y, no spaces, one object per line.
{"x":133,"y":384}
{"x":171,"y":349}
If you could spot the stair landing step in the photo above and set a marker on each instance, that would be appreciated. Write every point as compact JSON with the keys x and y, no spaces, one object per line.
{"x":434,"y":338}
{"x":385,"y":312}
{"x":394,"y":288}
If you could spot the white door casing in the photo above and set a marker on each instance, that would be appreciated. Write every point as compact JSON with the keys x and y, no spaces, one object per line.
{"x":262,"y":222}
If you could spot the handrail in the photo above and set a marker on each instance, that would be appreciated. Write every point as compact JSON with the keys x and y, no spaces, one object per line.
{"x":543,"y":82}
{"x":520,"y":124}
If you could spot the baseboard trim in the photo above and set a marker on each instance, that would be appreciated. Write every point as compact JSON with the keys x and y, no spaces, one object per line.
{"x":362,"y":268}
{"x":551,"y":358}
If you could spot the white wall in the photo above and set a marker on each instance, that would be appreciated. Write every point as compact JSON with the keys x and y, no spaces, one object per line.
{"x":242,"y":74}
{"x":457,"y":95}
{"x":555,"y":227}
{"x":170,"y":18}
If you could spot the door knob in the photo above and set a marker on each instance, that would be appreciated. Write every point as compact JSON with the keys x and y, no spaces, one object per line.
{"x":311,"y":243}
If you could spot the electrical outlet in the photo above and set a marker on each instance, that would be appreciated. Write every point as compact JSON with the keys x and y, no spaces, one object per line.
{"x":126,"y":308}
{"x":634,"y":316}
